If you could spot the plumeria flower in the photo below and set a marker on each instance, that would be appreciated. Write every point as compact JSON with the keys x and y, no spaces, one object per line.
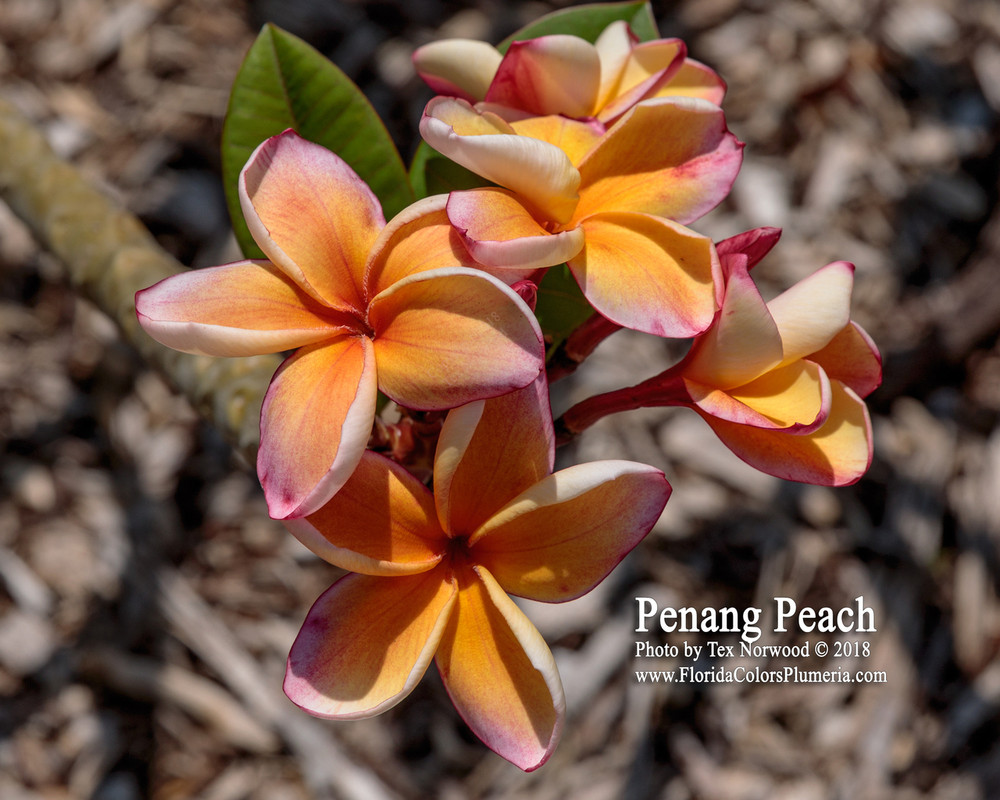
{"x":780,"y":383}
{"x":612,"y":205}
{"x":366,"y":306}
{"x":431,"y":573}
{"x":562,"y":74}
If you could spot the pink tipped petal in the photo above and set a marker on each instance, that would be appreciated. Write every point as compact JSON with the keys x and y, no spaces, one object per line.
{"x":742,"y":344}
{"x":649,"y":69}
{"x":489,"y":452}
{"x":852,"y":358}
{"x":501,"y":233}
{"x":500,"y":674}
{"x":754,"y":244}
{"x":671,"y":157}
{"x":648,"y":274}
{"x":242,"y":309}
{"x":450,"y":336}
{"x":814,"y":310}
{"x":562,"y":536}
{"x":719,"y":404}
{"x":381,"y":522}
{"x":538,"y":171}
{"x":418,"y":239}
{"x":312,"y":216}
{"x":614,"y":46}
{"x":366,"y":643}
{"x":556,"y":74}
{"x":458,"y":67}
{"x":837,"y":454}
{"x":795,"y":396}
{"x":316,"y":419}
{"x":694,"y":79}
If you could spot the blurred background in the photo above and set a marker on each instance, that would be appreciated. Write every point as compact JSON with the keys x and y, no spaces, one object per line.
{"x":147,"y":602}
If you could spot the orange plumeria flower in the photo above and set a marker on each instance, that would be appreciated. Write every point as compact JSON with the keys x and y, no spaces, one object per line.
{"x":781,"y":383}
{"x":367,"y":307}
{"x":567,"y":75}
{"x":432,"y":573}
{"x":612,"y":205}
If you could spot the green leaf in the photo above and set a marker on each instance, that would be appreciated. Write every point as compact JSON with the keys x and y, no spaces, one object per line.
{"x":588,"y":21}
{"x":286,"y":83}
{"x":433,"y":173}
{"x":561,"y":307}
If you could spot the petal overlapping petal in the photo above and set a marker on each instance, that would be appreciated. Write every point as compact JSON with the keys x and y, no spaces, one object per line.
{"x":458,"y":67}
{"x":489,"y":452}
{"x":743,"y":343}
{"x":794,"y":396}
{"x":500,"y":673}
{"x":450,"y":336}
{"x":814,"y":310}
{"x":647,"y":273}
{"x":556,"y":74}
{"x":419,"y":238}
{"x":500,"y":232}
{"x":649,"y":67}
{"x":241,"y":309}
{"x":367,"y":642}
{"x":538,"y":171}
{"x":671,"y":157}
{"x":381,"y":522}
{"x":719,"y":404}
{"x":563,"y":535}
{"x":574,"y":137}
{"x":614,"y":46}
{"x":694,"y":79}
{"x":312,"y":216}
{"x":316,"y":419}
{"x":836,"y":454}
{"x":852,"y":358}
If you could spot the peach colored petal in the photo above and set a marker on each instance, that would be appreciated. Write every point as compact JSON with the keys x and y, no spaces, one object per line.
{"x":814,"y":310}
{"x":650,"y":66}
{"x":562,"y":536}
{"x":417,"y":239}
{"x":315,"y":423}
{"x":312,"y":216}
{"x":242,"y":309}
{"x":837,"y":454}
{"x":852,"y":358}
{"x":717,"y":403}
{"x":451,"y":336}
{"x":458,"y":67}
{"x":500,"y":673}
{"x":538,"y":171}
{"x":501,"y":233}
{"x":614,"y":46}
{"x":556,"y":74}
{"x":744,"y":341}
{"x":381,"y":522}
{"x":574,"y":137}
{"x":796,"y":395}
{"x":489,"y":452}
{"x":647,"y":273}
{"x":694,"y":79}
{"x":671,"y":157}
{"x":367,"y":642}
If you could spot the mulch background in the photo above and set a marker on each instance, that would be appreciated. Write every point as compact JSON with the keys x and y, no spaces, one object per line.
{"x":147,"y":602}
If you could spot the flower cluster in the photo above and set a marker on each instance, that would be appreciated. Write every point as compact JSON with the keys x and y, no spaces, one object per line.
{"x":595,"y":155}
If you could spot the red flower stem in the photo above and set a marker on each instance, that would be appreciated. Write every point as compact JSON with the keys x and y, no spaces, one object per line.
{"x":578,"y":345}
{"x":665,"y":389}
